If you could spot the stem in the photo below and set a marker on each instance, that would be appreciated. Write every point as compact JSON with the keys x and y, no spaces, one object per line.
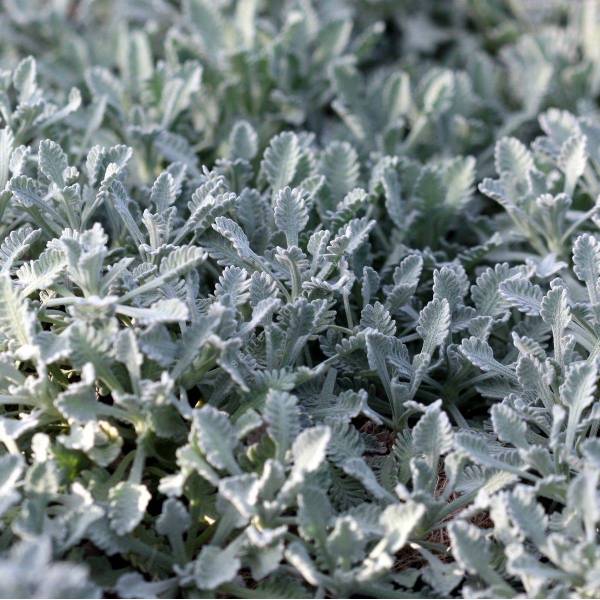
{"x":348,"y":311}
{"x":460,"y":420}
{"x":137,"y":468}
{"x":178,"y":546}
{"x":62,"y":301}
{"x":575,"y":225}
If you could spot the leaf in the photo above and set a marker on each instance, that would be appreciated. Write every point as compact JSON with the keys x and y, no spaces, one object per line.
{"x":406,"y":279}
{"x":205,"y":19}
{"x":11,"y":467}
{"x":527,"y":514}
{"x":409,"y":270}
{"x":128,"y":353}
{"x":281,"y":160}
{"x":586,"y":261}
{"x":102,"y":83}
{"x":513,"y":160}
{"x":470,"y":548}
{"x":262,"y":314}
{"x":164,"y":192}
{"x":24,"y":78}
{"x":434,"y":324}
{"x":376,"y":317}
{"x":215,"y":566}
{"x":314,"y":513}
{"x":174,"y":518}
{"x":78,"y":402}
{"x":88,"y":345}
{"x":297,"y":322}
{"x":459,"y":178}
{"x":161,"y":311}
{"x":432,"y":435}
{"x":369,"y":285}
{"x":479,"y":353}
{"x":356,"y":467}
{"x":291,"y":214}
{"x":441,"y":576}
{"x":26,"y":190}
{"x":509,"y":426}
{"x":16,"y":320}
{"x":572,"y":160}
{"x":230,"y":361}
{"x":241,"y":492}
{"x":477,"y":448}
{"x":176,"y":148}
{"x":556,"y":313}
{"x":582,"y":499}
{"x":127,"y":506}
{"x":204,"y":210}
{"x":346,"y":541}
{"x":282,"y":414}
{"x":233,"y":232}
{"x":577,"y":393}
{"x":379,"y":347}
{"x":7,"y":141}
{"x":486,"y":294}
{"x":430,"y":190}
{"x":555,"y":309}
{"x":215,"y":436}
{"x":232,"y":288}
{"x":350,"y":237}
{"x":340,"y":167}
{"x":398,"y":522}
{"x":176,"y":263}
{"x":243,"y":141}
{"x":523,"y":295}
{"x":53,"y":162}
{"x":15,"y":244}
{"x":308,"y":450}
{"x":180,"y":261}
{"x":298,"y":557}
{"x":393,"y":195}
{"x":446,"y":286}
{"x":133,"y":585}
{"x":43,"y":272}
{"x":118,"y":199}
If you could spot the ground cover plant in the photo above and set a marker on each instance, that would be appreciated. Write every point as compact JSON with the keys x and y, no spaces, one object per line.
{"x":299,"y":298}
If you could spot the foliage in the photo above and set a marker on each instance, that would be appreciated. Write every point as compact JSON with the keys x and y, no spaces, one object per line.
{"x":299,"y":299}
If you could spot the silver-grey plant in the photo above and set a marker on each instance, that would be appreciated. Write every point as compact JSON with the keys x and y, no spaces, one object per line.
{"x":299,"y":299}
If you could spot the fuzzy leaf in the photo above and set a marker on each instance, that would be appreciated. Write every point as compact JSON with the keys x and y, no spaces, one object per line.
{"x":281,"y":160}
{"x":243,"y":141}
{"x":164,"y":192}
{"x":16,"y":320}
{"x":432,"y":435}
{"x":509,"y":426}
{"x":586,"y":260}
{"x":291,"y":215}
{"x":577,"y":393}
{"x":479,"y":353}
{"x":15,"y":244}
{"x":470,"y":547}
{"x":520,"y":293}
{"x":340,"y":167}
{"x":398,"y":522}
{"x":282,"y":414}
{"x":434,"y":324}
{"x":127,"y":505}
{"x":308,"y":450}
{"x":214,"y":567}
{"x":572,"y":160}
{"x":216,"y":438}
